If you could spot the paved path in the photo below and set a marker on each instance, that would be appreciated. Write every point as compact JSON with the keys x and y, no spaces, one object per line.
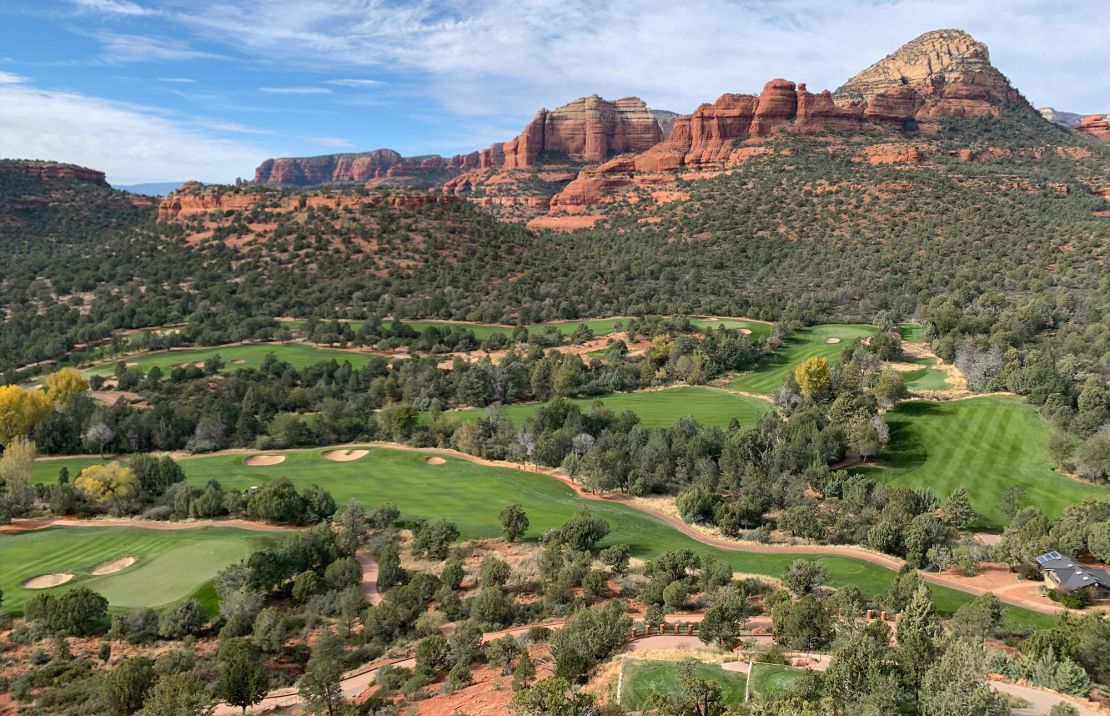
{"x":1040,"y":700}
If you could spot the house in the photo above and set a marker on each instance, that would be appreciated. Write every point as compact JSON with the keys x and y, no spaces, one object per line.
{"x":1069,"y":575}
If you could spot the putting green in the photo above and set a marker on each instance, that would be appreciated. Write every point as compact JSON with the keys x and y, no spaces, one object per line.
{"x":642,"y":678}
{"x":656,"y":408}
{"x":806,"y":343}
{"x":774,"y":679}
{"x":170,"y":564}
{"x":251,"y":356}
{"x":982,"y":444}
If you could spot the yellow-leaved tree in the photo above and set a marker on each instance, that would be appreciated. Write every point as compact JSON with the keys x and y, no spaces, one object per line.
{"x":101,"y":483}
{"x":813,"y":376}
{"x":64,"y":383}
{"x":20,"y":410}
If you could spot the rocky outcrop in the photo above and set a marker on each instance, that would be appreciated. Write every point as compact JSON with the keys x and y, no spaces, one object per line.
{"x":949,"y":71}
{"x":666,"y":120}
{"x":1096,"y":125}
{"x":358,"y":168}
{"x":1064,"y":119}
{"x":195,"y":199}
{"x":52,"y":170}
{"x":590,"y":129}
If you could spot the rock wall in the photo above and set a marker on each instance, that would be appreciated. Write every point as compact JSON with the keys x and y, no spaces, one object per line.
{"x":1096,"y":125}
{"x":53,"y":170}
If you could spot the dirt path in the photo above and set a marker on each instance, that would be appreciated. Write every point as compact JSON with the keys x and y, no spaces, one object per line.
{"x":369,"y":582}
{"x":1040,"y":701}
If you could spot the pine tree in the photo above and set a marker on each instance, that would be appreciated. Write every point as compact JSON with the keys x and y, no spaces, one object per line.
{"x":524,"y":672}
{"x":957,"y":509}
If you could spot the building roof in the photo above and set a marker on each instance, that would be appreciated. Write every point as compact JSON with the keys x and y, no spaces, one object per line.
{"x":1072,"y":574}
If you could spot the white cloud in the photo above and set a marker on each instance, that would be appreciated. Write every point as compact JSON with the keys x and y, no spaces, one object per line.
{"x":119,"y":47}
{"x":10,"y":78}
{"x":178,"y":80}
{"x":131,"y":143}
{"x":113,"y":7}
{"x":333,"y":142}
{"x":361,"y":84}
{"x":296,"y":90}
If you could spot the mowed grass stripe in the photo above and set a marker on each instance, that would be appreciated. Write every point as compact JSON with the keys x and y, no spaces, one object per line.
{"x":251,"y":355}
{"x":655,"y":408}
{"x":983,"y":444}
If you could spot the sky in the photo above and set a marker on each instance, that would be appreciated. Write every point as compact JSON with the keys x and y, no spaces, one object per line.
{"x":168,"y":90}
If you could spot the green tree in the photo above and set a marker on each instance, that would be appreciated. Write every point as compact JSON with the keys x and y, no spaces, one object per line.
{"x":616,"y":557}
{"x":125,"y":687}
{"x":802,"y":624}
{"x":434,"y":540}
{"x":725,"y":619}
{"x":78,"y":612}
{"x":551,"y":697}
{"x":431,"y":654}
{"x":179,"y":695}
{"x":181,"y":619}
{"x":320,"y":684}
{"x":269,"y":631}
{"x":502,"y":652}
{"x":524,"y":672}
{"x":582,"y":531}
{"x":978,"y":619}
{"x":957,"y":509}
{"x":514,"y":522}
{"x":803,"y":576}
{"x":242,"y":679}
{"x":955,"y":686}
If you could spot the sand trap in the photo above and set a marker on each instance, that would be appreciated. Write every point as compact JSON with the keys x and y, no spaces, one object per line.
{"x":130,"y":364}
{"x":263,"y":460}
{"x":434,"y":460}
{"x":746,"y":331}
{"x":239,"y":361}
{"x":344,"y":455}
{"x":46,"y":581}
{"x":116,"y":565}
{"x":832,"y":340}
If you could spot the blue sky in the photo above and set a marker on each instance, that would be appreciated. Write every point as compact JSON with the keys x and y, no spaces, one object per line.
{"x":161,"y":90}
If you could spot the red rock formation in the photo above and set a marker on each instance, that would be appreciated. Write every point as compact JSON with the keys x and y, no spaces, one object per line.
{"x":52,"y":170}
{"x":193,"y":199}
{"x":590,"y":129}
{"x":889,"y":154}
{"x":1096,"y":125}
{"x":326,"y":169}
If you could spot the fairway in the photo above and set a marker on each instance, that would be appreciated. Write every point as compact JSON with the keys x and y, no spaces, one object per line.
{"x":774,"y":679}
{"x":771,"y":371}
{"x":170,"y":564}
{"x":251,"y":355}
{"x":642,"y":678}
{"x":927,"y":377}
{"x":656,"y":408}
{"x":983,"y":444}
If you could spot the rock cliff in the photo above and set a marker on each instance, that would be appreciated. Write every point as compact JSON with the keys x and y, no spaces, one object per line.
{"x":52,"y":170}
{"x":1064,"y":119}
{"x":1096,"y":125}
{"x":326,"y":169}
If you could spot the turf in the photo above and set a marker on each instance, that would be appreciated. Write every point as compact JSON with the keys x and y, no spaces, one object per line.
{"x":771,"y":371}
{"x":983,"y":444}
{"x":927,"y":377}
{"x":252,"y":355}
{"x":758,"y":328}
{"x":656,"y":408}
{"x":642,"y":678}
{"x":171,"y":565}
{"x":911,"y":332}
{"x":773,"y":679}
{"x":472,"y":496}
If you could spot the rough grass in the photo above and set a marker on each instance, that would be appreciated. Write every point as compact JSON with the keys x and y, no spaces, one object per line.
{"x":983,"y":444}
{"x":927,"y":377}
{"x":642,"y":678}
{"x":252,"y":355}
{"x":770,"y":373}
{"x":655,"y":408}
{"x":172,"y":565}
{"x":773,"y":679}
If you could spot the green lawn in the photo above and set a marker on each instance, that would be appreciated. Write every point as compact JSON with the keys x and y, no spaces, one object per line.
{"x":656,"y":408}
{"x":911,"y":332}
{"x":251,"y":355}
{"x":642,"y":678}
{"x":473,"y":495}
{"x":758,"y":329}
{"x":772,"y":679}
{"x":982,"y":444}
{"x":927,"y":377}
{"x":171,"y":565}
{"x":769,"y":375}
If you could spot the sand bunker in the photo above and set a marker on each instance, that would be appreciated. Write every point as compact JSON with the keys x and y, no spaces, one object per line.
{"x":344,"y":455}
{"x":434,"y":460}
{"x":746,"y":331}
{"x":263,"y":460}
{"x":116,"y":565}
{"x":832,"y":340}
{"x":130,"y":364}
{"x":239,"y":361}
{"x":46,"y":581}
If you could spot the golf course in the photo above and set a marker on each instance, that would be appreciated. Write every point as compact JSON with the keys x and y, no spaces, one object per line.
{"x":657,"y":408}
{"x":156,"y":567}
{"x":250,"y":355}
{"x":828,"y":340}
{"x":643,"y":677}
{"x":983,"y":444}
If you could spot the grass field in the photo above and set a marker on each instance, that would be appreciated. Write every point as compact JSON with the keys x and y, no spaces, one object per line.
{"x":642,"y":678}
{"x":473,"y":495}
{"x":772,"y":679}
{"x":171,"y":565}
{"x":656,"y":408}
{"x":983,"y":444}
{"x":911,"y":332}
{"x":927,"y":377}
{"x":805,"y":343}
{"x":296,"y":354}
